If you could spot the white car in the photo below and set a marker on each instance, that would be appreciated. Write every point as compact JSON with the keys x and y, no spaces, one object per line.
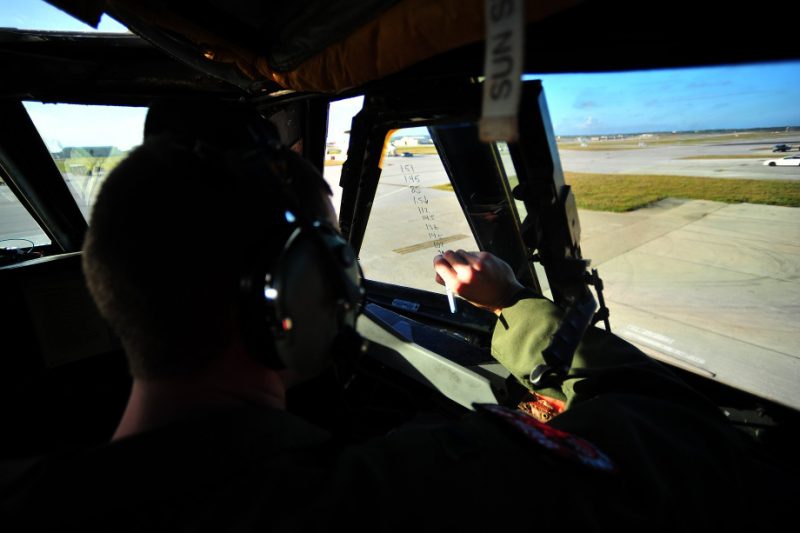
{"x":788,"y":161}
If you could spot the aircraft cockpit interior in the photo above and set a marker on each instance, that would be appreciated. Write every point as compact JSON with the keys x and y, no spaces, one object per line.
{"x":421,"y":164}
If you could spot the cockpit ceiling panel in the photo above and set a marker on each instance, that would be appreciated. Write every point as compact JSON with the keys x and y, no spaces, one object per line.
{"x":312,"y":45}
{"x":336,"y":45}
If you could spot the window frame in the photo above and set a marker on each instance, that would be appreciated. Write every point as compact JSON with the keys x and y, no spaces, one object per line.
{"x":551,"y":227}
{"x":33,"y":177}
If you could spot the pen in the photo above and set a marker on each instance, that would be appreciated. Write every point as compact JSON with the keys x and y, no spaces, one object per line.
{"x":450,"y":298}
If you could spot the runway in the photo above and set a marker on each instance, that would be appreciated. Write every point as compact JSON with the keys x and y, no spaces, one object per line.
{"x":671,"y":160}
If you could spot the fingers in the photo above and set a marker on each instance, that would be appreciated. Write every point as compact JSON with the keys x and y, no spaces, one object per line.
{"x":456,"y":258}
{"x":445,"y":274}
{"x":481,"y":278}
{"x":472,"y":258}
{"x":462,"y":263}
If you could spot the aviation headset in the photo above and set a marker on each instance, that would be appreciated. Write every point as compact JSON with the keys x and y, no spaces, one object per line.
{"x":297,"y":307}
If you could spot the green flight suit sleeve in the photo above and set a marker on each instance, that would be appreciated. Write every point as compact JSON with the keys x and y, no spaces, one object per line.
{"x":602,"y":363}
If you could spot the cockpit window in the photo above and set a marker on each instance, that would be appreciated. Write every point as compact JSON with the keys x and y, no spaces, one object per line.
{"x":522,"y":212}
{"x":19,"y":232}
{"x":694,"y":227}
{"x":86,"y":142}
{"x":340,"y":117}
{"x":39,"y":15}
{"x":415,"y":214}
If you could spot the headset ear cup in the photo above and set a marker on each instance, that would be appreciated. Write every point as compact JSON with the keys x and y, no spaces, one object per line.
{"x":298,"y":308}
{"x":310,"y":307}
{"x":257,"y":318}
{"x":347,"y":273}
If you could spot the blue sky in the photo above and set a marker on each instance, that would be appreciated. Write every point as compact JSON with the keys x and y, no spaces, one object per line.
{"x":725,"y":97}
{"x":39,"y":15}
{"x":729,"y":97}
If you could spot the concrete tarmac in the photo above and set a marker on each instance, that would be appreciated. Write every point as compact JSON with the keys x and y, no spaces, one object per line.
{"x":672,"y":160}
{"x":17,"y":223}
{"x":711,"y":287}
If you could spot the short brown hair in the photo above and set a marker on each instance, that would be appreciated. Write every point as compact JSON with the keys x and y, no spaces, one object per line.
{"x":170,"y":235}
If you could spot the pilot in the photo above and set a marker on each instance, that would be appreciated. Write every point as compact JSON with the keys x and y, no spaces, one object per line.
{"x":212,"y":252}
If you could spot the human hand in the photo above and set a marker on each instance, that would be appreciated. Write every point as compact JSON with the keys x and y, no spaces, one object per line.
{"x":481,"y":278}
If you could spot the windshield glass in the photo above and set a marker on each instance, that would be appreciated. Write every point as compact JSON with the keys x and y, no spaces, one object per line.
{"x":340,"y":117}
{"x":19,"y":232}
{"x":690,"y":212}
{"x":86,"y":142}
{"x":39,"y":15}
{"x":414,"y":216}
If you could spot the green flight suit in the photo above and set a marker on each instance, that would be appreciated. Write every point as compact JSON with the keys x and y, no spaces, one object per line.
{"x":677,"y":464}
{"x":602,"y":363}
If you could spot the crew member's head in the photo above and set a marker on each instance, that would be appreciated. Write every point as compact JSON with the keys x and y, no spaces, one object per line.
{"x":186,"y":253}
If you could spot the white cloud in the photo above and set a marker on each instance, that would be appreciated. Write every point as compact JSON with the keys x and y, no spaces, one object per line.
{"x":589,"y":122}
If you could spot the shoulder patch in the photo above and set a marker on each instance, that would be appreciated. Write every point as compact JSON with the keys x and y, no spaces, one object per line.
{"x":542,"y":408}
{"x":560,"y":443}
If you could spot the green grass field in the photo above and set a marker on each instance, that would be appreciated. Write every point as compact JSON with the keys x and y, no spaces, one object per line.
{"x":106,"y":164}
{"x":418,"y":149}
{"x":620,"y":193}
